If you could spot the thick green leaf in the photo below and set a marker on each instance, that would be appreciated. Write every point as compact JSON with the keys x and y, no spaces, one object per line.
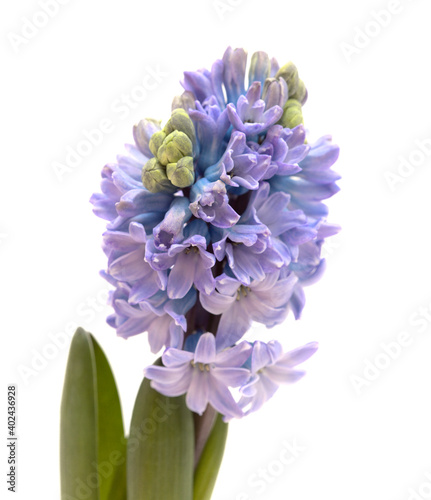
{"x":112,"y":445}
{"x":209,"y":464}
{"x":160,"y":448}
{"x":92,"y":442}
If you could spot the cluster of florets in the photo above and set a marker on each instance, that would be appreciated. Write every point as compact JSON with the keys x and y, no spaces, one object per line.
{"x":216,"y":220}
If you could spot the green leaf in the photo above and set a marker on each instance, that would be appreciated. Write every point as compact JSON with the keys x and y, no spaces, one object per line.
{"x":160,"y":448}
{"x":209,"y":464}
{"x":92,"y":442}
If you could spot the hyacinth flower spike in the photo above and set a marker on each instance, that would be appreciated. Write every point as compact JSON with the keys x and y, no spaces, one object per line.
{"x":215,"y":219}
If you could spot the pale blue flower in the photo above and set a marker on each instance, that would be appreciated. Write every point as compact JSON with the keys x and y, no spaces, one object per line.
{"x":270,"y":368}
{"x":239,"y":165}
{"x":189,"y":262}
{"x":162,"y":318}
{"x":170,"y":230}
{"x":209,"y":202}
{"x":126,"y":262}
{"x":250,"y":115}
{"x":248,"y":248}
{"x":262,"y":301}
{"x":212,"y":124}
{"x":204,"y":375}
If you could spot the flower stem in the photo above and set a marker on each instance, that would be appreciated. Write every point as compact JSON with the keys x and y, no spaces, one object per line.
{"x":203,"y":427}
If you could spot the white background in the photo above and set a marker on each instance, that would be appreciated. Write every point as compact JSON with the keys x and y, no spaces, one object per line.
{"x":371,"y":92}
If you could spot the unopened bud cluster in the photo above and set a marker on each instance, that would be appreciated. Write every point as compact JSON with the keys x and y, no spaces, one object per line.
{"x":172,"y":166}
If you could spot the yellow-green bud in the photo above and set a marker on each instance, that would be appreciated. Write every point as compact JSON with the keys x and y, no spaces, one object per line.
{"x":292,"y":114}
{"x":154,"y":177}
{"x":156,"y":141}
{"x":301,"y":93}
{"x":260,"y":67}
{"x":182,"y":173}
{"x":174,"y":147}
{"x":180,"y":121}
{"x":290,"y":74}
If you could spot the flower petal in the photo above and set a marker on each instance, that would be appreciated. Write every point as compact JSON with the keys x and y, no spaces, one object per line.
{"x":232,"y":377}
{"x":234,"y":356}
{"x":176,"y":357}
{"x":233,"y":324}
{"x":283,"y":375}
{"x":216,"y":303}
{"x":260,"y":356}
{"x":197,"y":395}
{"x":164,"y":375}
{"x":205,"y":349}
{"x":298,"y":355}
{"x":181,"y":277}
{"x":222,"y":400}
{"x":176,"y":388}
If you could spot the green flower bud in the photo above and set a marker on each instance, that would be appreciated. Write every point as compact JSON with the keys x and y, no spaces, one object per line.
{"x":156,"y":141}
{"x":180,"y":121}
{"x":174,"y":147}
{"x":182,"y":173}
{"x":301,"y":93}
{"x":260,"y":67}
{"x":185,"y":101}
{"x":292,"y":114}
{"x":289,"y":73}
{"x":154,"y":177}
